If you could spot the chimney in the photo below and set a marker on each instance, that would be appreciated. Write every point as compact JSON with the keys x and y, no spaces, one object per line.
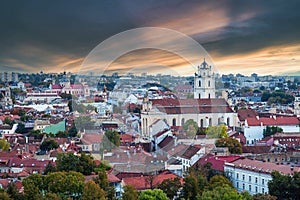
{"x":274,"y":116}
{"x":257,"y":117}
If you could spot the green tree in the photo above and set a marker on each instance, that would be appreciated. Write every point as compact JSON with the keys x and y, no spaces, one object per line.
{"x":234,"y":146}
{"x":219,"y":181}
{"x":102,"y":181}
{"x":170,"y":187}
{"x":93,"y":191}
{"x":70,"y":162}
{"x":190,"y":127}
{"x":221,"y":193}
{"x":4,"y":145}
{"x":8,"y":121}
{"x":21,"y":128}
{"x":48,"y":145}
{"x":130,"y":193}
{"x":280,"y":186}
{"x":36,"y":134}
{"x":264,"y":197}
{"x":194,"y":184}
{"x":33,"y":186}
{"x":13,"y":192}
{"x":271,"y":130}
{"x":216,"y":131}
{"x":72,"y":132}
{"x":155,"y":194}
{"x":51,"y":196}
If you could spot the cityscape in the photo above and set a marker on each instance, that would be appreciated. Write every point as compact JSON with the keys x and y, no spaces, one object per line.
{"x":154,"y":106}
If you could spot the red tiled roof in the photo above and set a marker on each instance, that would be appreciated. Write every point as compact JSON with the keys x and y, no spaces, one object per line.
{"x":142,"y":183}
{"x":216,"y":161}
{"x":272,"y":121}
{"x":91,"y":138}
{"x":190,"y":152}
{"x":243,"y":114}
{"x":126,"y":138}
{"x":264,"y":167}
{"x":112,"y":178}
{"x":166,"y":141}
{"x":56,"y":86}
{"x":256,"y":149}
{"x":181,"y":106}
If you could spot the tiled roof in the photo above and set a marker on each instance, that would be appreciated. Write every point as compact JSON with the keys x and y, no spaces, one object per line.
{"x":91,"y":138}
{"x":190,"y":152}
{"x":56,"y":86}
{"x":182,"y":106}
{"x":277,"y":121}
{"x":166,"y":141}
{"x":143,"y":183}
{"x":264,"y":167}
{"x":243,"y":114}
{"x":216,"y":161}
{"x":112,"y":178}
{"x":256,"y":149}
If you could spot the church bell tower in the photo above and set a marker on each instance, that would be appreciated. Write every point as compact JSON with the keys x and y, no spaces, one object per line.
{"x":204,"y":82}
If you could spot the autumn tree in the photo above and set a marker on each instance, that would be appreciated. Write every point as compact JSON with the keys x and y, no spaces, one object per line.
{"x":92,"y":190}
{"x":130,"y":193}
{"x":218,"y":131}
{"x":4,"y":145}
{"x":234,"y":146}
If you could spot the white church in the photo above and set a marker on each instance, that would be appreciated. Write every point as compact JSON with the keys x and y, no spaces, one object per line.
{"x":205,"y":108}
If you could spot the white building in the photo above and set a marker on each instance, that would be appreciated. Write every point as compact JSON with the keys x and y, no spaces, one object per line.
{"x":41,"y":97}
{"x":254,"y":127}
{"x":252,"y":175}
{"x":204,"y":82}
{"x":175,"y":112}
{"x":297,"y":106}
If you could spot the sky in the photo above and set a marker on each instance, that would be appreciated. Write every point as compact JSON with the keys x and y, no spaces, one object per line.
{"x":240,"y":36}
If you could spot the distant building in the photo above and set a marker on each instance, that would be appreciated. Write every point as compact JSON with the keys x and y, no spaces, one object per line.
{"x":9,"y":76}
{"x":254,"y":127}
{"x":252,"y":175}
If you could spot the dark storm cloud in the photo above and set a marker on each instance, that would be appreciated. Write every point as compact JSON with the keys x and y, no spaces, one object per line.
{"x":50,"y":35}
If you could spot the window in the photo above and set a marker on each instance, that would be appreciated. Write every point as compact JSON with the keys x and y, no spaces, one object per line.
{"x":249,"y":178}
{"x":262,"y":181}
{"x":201,"y":123}
{"x":208,"y":83}
{"x":243,"y":186}
{"x":237,"y":184}
{"x":263,"y":190}
{"x":174,"y":122}
{"x":243,"y":177}
{"x":255,"y":179}
{"x":199,"y":83}
{"x":237,"y":175}
{"x":256,"y":190}
{"x":249,"y":188}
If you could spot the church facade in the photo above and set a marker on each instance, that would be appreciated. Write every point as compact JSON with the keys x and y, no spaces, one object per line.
{"x":204,"y":109}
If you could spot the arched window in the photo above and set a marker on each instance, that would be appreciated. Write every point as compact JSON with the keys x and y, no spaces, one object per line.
{"x":209,"y":95}
{"x":174,"y":122}
{"x":199,"y":83}
{"x":199,"y":96}
{"x":208,"y":83}
{"x":182,"y":121}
